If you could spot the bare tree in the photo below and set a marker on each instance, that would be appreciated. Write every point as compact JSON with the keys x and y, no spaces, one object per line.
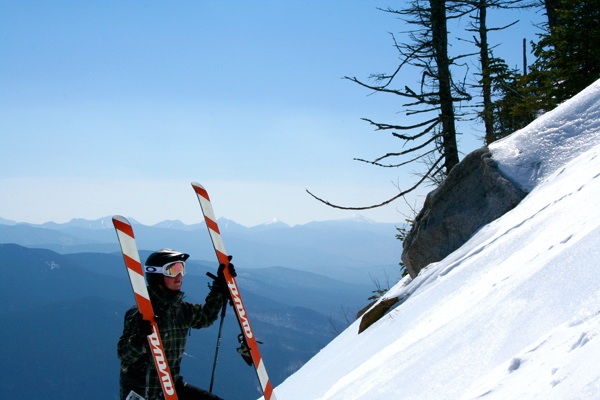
{"x":433,"y":138}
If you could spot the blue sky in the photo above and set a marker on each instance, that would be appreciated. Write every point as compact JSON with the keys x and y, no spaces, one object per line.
{"x":114,"y":107}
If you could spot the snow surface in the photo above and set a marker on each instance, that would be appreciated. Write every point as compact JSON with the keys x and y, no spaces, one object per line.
{"x":512,"y":314}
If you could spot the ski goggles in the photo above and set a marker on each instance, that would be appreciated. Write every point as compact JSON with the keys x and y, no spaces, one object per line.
{"x":171,"y":269}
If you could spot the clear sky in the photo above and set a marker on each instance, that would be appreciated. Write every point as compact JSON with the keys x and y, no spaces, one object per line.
{"x":114,"y":107}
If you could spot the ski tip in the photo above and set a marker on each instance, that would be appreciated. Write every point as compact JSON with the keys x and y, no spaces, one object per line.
{"x":200,"y":191}
{"x":120,"y":218}
{"x":122,"y":225}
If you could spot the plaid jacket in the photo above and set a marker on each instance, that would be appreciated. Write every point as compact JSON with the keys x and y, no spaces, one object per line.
{"x":175,"y":318}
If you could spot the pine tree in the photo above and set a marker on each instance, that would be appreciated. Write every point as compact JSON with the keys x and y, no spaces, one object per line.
{"x":568,"y":56}
{"x":513,"y":108}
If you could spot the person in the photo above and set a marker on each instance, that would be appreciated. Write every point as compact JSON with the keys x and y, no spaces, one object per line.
{"x":164,"y":270}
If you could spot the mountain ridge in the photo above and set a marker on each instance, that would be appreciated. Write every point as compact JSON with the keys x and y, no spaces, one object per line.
{"x":105,"y":222}
{"x":352,"y":244}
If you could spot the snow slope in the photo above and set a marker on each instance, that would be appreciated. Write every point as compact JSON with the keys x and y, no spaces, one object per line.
{"x":512,"y":314}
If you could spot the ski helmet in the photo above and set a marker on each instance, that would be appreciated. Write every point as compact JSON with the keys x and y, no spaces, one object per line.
{"x":156,"y":260}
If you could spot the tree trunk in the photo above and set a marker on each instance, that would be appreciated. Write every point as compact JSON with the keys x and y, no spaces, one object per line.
{"x":551,"y":6}
{"x":486,"y":81}
{"x":440,"y":45}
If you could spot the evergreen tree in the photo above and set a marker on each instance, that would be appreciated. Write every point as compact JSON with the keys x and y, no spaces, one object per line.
{"x":568,"y":56}
{"x":493,"y":71}
{"x":513,"y":108}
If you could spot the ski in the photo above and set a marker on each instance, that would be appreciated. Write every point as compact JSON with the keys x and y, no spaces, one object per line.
{"x":238,"y":304}
{"x":142,"y":298}
{"x":134,"y":396}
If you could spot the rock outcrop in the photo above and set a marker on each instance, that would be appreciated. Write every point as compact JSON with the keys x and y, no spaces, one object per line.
{"x":473,"y":194}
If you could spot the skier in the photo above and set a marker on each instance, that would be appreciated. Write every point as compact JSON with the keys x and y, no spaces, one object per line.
{"x":164,"y":270}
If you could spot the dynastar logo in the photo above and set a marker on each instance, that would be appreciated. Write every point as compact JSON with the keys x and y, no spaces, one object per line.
{"x":240,"y":309}
{"x":161,"y":363}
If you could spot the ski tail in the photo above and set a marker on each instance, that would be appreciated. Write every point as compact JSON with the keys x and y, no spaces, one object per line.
{"x":138,"y":283}
{"x":134,"y":396}
{"x":238,"y":304}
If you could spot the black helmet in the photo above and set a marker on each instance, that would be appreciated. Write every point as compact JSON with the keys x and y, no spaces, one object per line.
{"x":158,"y":259}
{"x":165,"y":256}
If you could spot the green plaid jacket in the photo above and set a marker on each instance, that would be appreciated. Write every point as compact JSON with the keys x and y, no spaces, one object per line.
{"x":175,"y":318}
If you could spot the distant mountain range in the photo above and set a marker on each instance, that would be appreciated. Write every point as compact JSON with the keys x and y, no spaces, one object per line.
{"x":349,"y":249}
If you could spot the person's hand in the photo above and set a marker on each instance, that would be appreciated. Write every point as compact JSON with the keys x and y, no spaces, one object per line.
{"x":221,"y":272}
{"x":221,"y":281}
{"x":145,"y":327}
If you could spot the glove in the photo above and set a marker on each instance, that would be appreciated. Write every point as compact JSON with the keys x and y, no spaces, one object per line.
{"x":145,"y":327}
{"x":221,"y":271}
{"x":220,"y":281}
{"x":142,"y":330}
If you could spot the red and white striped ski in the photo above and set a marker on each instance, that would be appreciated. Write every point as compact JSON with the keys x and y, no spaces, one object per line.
{"x":238,"y":304}
{"x":142,"y":298}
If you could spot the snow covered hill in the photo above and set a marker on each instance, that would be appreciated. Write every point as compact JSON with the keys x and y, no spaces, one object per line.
{"x":512,"y":314}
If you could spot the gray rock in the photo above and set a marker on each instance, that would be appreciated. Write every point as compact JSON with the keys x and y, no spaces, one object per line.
{"x":473,"y":194}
